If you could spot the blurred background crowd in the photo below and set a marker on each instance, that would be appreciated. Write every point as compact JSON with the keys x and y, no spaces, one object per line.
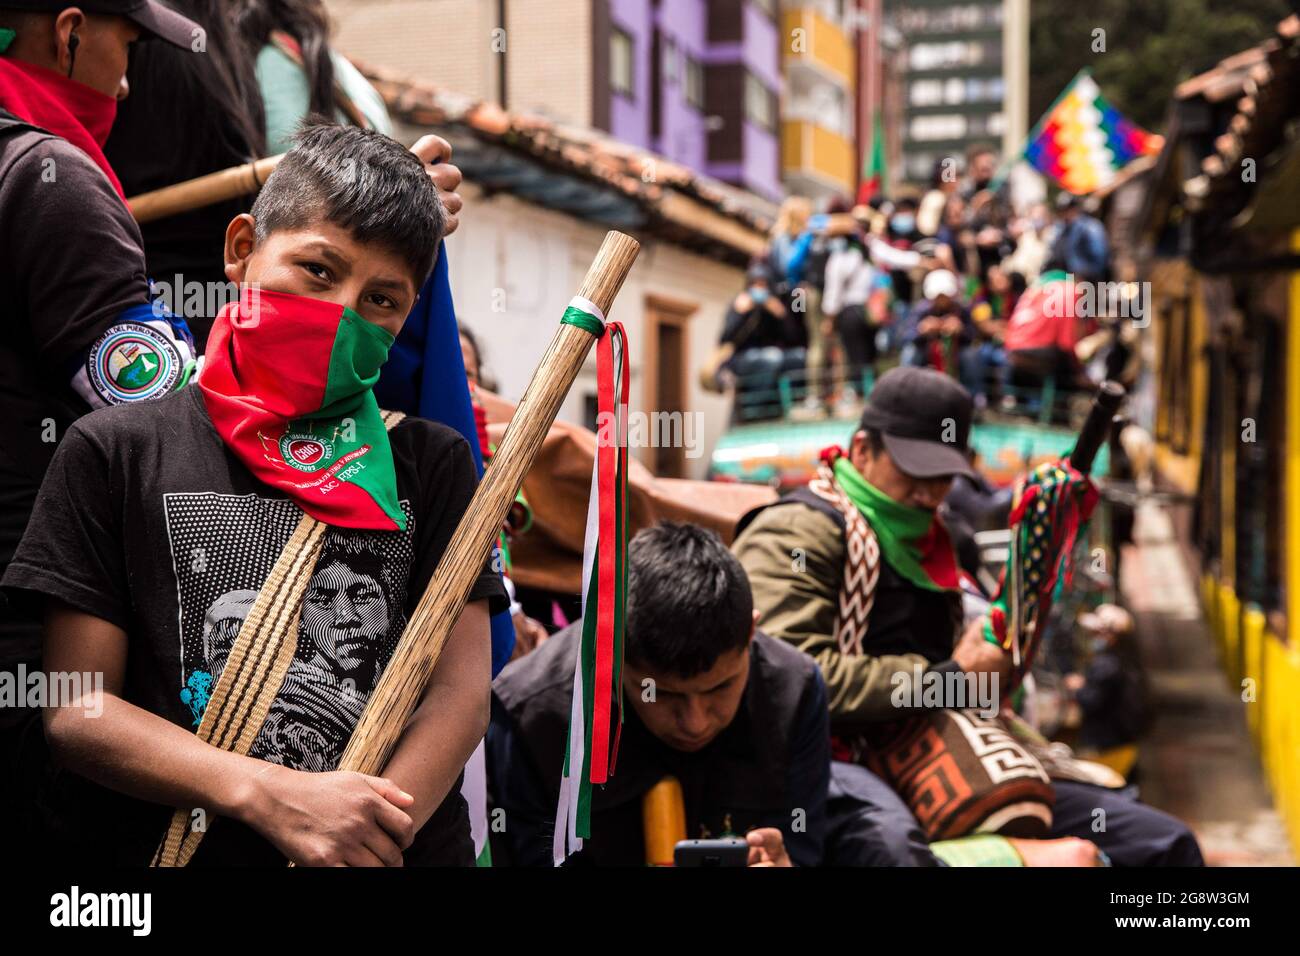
{"x":953,"y":278}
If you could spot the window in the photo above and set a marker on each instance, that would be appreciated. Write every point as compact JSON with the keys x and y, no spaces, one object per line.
{"x":620,"y":62}
{"x":920,"y":166}
{"x":671,"y":68}
{"x":760,"y":104}
{"x":695,"y":83}
{"x":925,"y":92}
{"x":987,"y":90}
{"x":953,"y":55}
{"x":950,"y":19}
{"x":938,"y":127}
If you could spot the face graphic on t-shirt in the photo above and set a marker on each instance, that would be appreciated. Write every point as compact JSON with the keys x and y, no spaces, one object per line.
{"x":345,"y":616}
{"x":221,"y":625}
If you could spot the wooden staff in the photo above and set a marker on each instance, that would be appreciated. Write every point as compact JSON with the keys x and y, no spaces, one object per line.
{"x":399,"y":689}
{"x":203,"y":191}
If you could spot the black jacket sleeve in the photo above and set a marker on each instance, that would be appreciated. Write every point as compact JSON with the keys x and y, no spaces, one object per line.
{"x":808,"y":778}
{"x":70,"y":249}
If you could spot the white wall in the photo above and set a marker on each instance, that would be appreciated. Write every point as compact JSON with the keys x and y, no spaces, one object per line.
{"x":514,"y":267}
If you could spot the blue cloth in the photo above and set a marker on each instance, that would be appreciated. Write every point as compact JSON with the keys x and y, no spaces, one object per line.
{"x":1083,"y":246}
{"x":425,"y":376}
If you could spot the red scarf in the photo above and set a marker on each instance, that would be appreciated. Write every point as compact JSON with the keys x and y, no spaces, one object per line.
{"x":64,"y":107}
{"x":287,"y":383}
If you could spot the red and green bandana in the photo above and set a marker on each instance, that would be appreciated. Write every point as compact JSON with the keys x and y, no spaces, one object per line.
{"x":913,"y":541}
{"x":287,"y":382}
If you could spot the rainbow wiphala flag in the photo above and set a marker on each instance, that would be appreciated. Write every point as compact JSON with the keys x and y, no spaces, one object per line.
{"x":1082,"y":141}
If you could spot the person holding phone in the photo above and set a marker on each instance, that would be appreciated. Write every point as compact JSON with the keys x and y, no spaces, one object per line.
{"x":739,"y":719}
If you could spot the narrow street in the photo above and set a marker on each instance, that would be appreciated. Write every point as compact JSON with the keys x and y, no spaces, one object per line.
{"x":1198,"y":761}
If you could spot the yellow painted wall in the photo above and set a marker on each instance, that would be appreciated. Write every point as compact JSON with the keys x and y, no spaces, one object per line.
{"x":811,"y":149}
{"x":1250,"y":650}
{"x":821,"y":43}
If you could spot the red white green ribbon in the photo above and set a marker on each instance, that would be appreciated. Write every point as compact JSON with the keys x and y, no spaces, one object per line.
{"x":593,"y":733}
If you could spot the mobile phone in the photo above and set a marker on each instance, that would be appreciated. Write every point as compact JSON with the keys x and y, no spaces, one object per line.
{"x":729,"y":852}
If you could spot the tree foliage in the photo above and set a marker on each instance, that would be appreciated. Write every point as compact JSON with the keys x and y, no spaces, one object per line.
{"x":1145,"y":47}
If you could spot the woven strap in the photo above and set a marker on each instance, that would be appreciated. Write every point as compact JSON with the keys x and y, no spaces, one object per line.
{"x":255,"y":669}
{"x":861,"y":570}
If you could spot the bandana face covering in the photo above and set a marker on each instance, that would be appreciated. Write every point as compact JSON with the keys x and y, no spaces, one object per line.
{"x":74,"y":111}
{"x":913,"y":540}
{"x":287,"y":383}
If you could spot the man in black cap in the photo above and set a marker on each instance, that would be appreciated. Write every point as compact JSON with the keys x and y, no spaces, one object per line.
{"x":857,"y":570}
{"x":899,"y":466}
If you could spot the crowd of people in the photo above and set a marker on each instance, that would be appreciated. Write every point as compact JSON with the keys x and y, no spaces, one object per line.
{"x":952,"y":279}
{"x":164,"y":536}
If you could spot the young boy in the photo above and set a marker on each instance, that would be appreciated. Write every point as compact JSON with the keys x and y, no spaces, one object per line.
{"x":158,"y":524}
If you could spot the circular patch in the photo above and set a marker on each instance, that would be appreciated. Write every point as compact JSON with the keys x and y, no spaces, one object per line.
{"x":305,"y":452}
{"x":132,"y":361}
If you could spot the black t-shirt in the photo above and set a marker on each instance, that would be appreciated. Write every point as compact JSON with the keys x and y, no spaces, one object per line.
{"x":146,"y":520}
{"x":70,"y":263}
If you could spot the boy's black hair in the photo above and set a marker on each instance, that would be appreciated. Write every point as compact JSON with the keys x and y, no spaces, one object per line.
{"x":688,"y":600}
{"x":358,"y":180}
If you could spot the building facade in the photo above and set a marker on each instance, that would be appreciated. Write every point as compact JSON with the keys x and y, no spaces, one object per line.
{"x":696,"y":81}
{"x":819,"y":110}
{"x":963,"y":78}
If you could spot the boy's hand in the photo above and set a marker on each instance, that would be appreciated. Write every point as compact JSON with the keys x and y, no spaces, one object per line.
{"x":331,"y":819}
{"x":435,"y":153}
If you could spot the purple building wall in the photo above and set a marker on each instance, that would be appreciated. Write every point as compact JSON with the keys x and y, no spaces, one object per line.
{"x":761,"y":51}
{"x":683,"y":137}
{"x":629,"y":117}
{"x":683,"y":134}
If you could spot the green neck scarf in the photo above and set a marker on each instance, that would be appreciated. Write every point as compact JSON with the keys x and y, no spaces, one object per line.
{"x":911,"y":539}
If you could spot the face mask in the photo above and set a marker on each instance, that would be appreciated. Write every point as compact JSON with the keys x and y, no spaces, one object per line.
{"x":287,"y":384}
{"x":81,"y":115}
{"x":903,"y":223}
{"x":759,"y":295}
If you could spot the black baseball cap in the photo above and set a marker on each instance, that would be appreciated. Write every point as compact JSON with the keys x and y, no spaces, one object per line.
{"x":915,"y":410}
{"x":148,"y":15}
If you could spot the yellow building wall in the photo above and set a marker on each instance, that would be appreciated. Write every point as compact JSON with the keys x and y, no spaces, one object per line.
{"x":818,"y":41}
{"x":1261,"y":662}
{"x":811,"y":149}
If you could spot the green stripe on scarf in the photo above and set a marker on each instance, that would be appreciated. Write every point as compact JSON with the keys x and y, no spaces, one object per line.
{"x":899,"y":528}
{"x":360,"y":350}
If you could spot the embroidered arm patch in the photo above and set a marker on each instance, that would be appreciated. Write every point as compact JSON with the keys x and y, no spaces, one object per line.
{"x":146,"y":354}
